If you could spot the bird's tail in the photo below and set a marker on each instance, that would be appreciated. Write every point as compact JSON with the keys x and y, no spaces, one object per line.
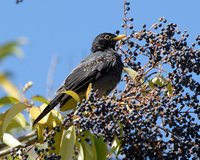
{"x":50,"y":106}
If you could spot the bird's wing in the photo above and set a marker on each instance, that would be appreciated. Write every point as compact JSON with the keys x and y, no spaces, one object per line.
{"x":88,"y":71}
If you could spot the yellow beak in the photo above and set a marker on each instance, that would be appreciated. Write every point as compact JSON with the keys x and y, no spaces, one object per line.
{"x":119,"y":37}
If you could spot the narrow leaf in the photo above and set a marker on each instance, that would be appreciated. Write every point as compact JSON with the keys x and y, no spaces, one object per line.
{"x":88,"y":147}
{"x":40,"y":99}
{"x":88,"y":90}
{"x":35,"y":112}
{"x":151,"y":84}
{"x":71,"y":103}
{"x":18,"y":121}
{"x":101,"y":148}
{"x":67,"y":144}
{"x":80,"y":155}
{"x":159,"y":81}
{"x":10,"y":48}
{"x":132,"y":73}
{"x":9,"y":87}
{"x":10,"y":114}
{"x":10,"y":140}
{"x":73,"y":94}
{"x":8,"y":100}
{"x":57,"y":138}
{"x":169,"y":88}
{"x":115,"y":146}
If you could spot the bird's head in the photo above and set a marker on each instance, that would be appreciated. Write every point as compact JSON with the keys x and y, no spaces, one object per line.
{"x":105,"y":41}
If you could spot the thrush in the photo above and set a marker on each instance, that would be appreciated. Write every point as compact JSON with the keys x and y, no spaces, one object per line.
{"x":102,"y":68}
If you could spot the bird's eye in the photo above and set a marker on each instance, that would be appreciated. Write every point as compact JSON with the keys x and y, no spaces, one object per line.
{"x":107,"y":37}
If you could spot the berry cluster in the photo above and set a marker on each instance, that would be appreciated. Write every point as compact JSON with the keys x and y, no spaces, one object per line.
{"x":17,"y":153}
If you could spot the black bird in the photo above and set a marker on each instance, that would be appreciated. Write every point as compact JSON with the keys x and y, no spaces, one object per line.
{"x":102,"y":68}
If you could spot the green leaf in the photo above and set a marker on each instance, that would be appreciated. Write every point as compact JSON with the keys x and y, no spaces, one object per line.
{"x":71,"y":103}
{"x":132,"y":73}
{"x":34,"y":112}
{"x":9,"y":87}
{"x":40,"y":99}
{"x":10,"y":140}
{"x":73,"y":94}
{"x":9,"y":157}
{"x":159,"y":81}
{"x":9,"y":115}
{"x":8,"y":100}
{"x":101,"y":148}
{"x":58,"y":140}
{"x":18,"y":121}
{"x":115,"y":147}
{"x":80,"y":155}
{"x":151,"y":84}
{"x":88,"y":90}
{"x":89,"y":148}
{"x":169,"y":88}
{"x":11,"y":48}
{"x":67,"y":144}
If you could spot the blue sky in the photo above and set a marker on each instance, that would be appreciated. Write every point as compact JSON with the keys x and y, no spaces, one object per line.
{"x":66,"y":29}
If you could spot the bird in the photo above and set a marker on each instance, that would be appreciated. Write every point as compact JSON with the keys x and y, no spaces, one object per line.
{"x":102,"y":68}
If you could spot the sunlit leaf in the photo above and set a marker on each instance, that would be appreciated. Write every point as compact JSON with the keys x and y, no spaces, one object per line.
{"x":101,"y":148}
{"x":52,"y":119}
{"x":40,"y":132}
{"x":40,"y":99}
{"x":169,"y":88}
{"x":71,"y":103}
{"x":88,"y":90}
{"x":36,"y":111}
{"x":115,"y":147}
{"x":18,"y":121}
{"x":10,"y":140}
{"x":57,"y":138}
{"x":10,"y":114}
{"x":151,"y":84}
{"x":8,"y":100}
{"x":9,"y":87}
{"x":11,"y":48}
{"x":57,"y":117}
{"x":73,"y":94}
{"x":80,"y":155}
{"x":132,"y":73}
{"x":67,"y":144}
{"x":159,"y":81}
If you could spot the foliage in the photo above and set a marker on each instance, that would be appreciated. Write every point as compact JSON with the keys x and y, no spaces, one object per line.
{"x":155,"y":115}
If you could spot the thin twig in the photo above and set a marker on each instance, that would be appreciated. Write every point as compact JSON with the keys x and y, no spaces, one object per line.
{"x":125,"y":18}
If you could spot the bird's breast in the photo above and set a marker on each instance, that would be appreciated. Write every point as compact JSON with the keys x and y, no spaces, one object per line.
{"x":106,"y":83}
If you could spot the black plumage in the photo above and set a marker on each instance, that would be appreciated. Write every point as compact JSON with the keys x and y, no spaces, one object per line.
{"x":103,"y":68}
